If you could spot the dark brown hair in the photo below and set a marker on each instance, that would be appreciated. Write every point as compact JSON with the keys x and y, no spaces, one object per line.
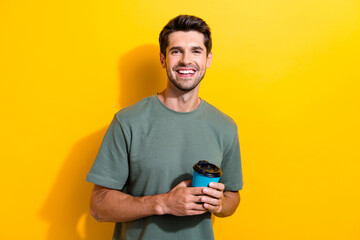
{"x":185,"y":23}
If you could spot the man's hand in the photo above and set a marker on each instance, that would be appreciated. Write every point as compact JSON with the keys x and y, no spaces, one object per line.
{"x":110,"y":205}
{"x":213,"y":201}
{"x":221,"y":203}
{"x":183,"y":200}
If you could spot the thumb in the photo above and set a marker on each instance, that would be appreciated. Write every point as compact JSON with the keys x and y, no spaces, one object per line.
{"x":183,"y":184}
{"x":187,"y":183}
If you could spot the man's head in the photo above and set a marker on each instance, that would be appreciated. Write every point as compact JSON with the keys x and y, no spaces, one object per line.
{"x":185,"y":44}
{"x":185,"y":23}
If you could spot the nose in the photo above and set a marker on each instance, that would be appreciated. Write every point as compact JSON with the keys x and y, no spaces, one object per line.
{"x":186,"y":58}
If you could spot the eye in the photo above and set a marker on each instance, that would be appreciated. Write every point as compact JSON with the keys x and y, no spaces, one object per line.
{"x":174,"y":52}
{"x":197,"y":51}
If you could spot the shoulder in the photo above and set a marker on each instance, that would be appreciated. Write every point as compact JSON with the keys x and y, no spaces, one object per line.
{"x":138,"y":110}
{"x":218,"y":118}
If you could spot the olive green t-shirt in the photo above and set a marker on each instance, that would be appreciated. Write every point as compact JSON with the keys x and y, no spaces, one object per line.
{"x":148,"y":149}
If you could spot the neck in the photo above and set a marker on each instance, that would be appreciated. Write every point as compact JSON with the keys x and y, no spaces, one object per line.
{"x":180,"y":101}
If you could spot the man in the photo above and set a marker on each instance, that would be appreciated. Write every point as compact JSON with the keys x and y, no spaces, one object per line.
{"x":143,"y":170}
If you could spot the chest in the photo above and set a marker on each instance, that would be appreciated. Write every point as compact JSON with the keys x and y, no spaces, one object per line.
{"x":161,"y":153}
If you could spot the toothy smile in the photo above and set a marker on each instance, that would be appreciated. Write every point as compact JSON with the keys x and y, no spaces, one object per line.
{"x":186,"y":71}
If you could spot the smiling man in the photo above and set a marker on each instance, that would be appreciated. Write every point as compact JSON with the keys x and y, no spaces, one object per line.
{"x":143,"y":170}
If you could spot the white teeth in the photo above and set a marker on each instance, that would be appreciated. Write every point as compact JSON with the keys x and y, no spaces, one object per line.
{"x":186,"y":71}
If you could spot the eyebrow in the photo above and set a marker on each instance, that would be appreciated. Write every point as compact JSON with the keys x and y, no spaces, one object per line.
{"x":197,"y":48}
{"x":175,"y":48}
{"x":180,"y":48}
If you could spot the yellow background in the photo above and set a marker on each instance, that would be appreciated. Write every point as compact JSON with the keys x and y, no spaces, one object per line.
{"x":286,"y":71}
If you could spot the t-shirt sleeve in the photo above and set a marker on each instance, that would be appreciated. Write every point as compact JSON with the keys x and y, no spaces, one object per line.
{"x":111,"y":168}
{"x":231,"y":167}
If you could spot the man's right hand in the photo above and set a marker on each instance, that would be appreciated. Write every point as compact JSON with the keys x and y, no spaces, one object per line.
{"x":110,"y":205}
{"x":183,"y":200}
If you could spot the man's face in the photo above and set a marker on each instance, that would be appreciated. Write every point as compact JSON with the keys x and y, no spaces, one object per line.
{"x":186,"y":59}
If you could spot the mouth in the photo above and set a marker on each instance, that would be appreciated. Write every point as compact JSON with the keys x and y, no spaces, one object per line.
{"x":186,"y":72}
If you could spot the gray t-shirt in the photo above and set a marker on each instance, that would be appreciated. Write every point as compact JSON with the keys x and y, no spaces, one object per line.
{"x":148,"y":149}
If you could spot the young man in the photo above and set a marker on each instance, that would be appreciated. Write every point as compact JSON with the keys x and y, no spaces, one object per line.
{"x":143,"y":170}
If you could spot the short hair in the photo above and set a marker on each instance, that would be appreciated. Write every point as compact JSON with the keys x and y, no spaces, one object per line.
{"x":185,"y":23}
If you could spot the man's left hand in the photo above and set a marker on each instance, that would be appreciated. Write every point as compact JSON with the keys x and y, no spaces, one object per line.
{"x":213,"y":198}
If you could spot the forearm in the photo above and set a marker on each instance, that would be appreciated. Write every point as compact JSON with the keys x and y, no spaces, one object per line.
{"x":108,"y":205}
{"x":230,"y":202}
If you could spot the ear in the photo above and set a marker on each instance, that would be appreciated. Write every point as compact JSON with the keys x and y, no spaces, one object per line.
{"x":208,"y":60}
{"x":162,"y":60}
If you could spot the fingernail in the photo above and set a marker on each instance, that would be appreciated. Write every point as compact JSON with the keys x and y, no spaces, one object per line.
{"x":211,"y":184}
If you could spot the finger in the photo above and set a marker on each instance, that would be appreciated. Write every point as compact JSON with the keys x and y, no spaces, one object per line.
{"x":197,"y":198}
{"x":187,"y":183}
{"x":211,"y":208}
{"x":210,"y":200}
{"x":213,"y":192}
{"x":218,"y":186}
{"x":183,"y":184}
{"x":197,"y":207}
{"x":195,"y":190}
{"x":195,"y":212}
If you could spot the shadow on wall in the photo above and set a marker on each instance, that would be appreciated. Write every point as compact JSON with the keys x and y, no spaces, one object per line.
{"x":67,"y":206}
{"x":141,"y":74}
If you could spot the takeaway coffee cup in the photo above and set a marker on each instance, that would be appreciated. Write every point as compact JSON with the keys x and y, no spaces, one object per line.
{"x":205,"y":173}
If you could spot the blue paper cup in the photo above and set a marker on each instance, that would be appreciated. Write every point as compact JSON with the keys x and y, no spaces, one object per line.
{"x":205,"y":173}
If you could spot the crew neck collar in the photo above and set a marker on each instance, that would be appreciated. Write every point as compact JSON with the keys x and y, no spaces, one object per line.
{"x":198,"y":109}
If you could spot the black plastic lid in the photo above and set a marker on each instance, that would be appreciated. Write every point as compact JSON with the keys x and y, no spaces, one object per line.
{"x":207,"y":169}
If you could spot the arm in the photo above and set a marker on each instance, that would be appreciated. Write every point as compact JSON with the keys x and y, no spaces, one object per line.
{"x":222,"y":204}
{"x":109,"y":205}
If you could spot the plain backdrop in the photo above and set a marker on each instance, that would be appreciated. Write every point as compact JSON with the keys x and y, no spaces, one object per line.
{"x":286,"y":71}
